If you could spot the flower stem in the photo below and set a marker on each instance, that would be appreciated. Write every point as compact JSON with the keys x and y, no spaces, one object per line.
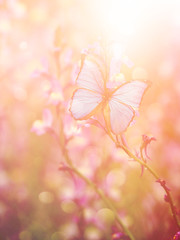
{"x":99,"y":191}
{"x":162,"y":182}
{"x":101,"y":194}
{"x":62,"y":144}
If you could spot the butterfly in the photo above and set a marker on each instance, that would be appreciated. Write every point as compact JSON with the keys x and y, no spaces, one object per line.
{"x":92,"y":95}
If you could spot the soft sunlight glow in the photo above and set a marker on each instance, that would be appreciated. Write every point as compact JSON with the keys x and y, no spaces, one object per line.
{"x":77,"y":156}
{"x":122,"y":17}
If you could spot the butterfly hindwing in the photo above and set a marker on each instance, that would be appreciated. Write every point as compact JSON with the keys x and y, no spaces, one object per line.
{"x":84,"y":103}
{"x":122,"y":103}
{"x":121,"y":115}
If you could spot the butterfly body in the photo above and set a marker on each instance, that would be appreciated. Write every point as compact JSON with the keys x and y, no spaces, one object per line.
{"x":107,"y":94}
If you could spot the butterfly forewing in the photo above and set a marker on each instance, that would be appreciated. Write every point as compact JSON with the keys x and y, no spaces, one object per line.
{"x":84,"y":103}
{"x":130,"y":93}
{"x":91,"y":75}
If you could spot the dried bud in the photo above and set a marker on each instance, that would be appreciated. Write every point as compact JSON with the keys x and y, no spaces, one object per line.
{"x":166,"y":198}
{"x":163,"y":184}
{"x":63,"y":167}
{"x":146,"y":141}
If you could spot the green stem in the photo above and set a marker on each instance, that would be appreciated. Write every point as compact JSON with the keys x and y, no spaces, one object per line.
{"x":62,"y":144}
{"x":107,"y":201}
{"x":99,"y":192}
{"x":131,"y":155}
{"x":170,"y":200}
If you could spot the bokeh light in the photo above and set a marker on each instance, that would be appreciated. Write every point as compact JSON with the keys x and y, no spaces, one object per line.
{"x":42,"y":45}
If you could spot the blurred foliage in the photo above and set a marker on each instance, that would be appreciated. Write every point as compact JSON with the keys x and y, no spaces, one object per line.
{"x":37,"y":200}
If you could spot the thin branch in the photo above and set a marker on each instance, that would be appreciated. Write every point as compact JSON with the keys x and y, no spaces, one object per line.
{"x":158,"y":179}
{"x":100,"y":192}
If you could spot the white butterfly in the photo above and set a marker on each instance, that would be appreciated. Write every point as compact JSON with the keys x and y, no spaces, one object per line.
{"x":93,"y":95}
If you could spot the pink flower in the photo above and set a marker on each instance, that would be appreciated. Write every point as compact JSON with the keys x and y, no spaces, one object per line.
{"x":177,"y":236}
{"x":71,"y":127}
{"x":53,"y":91}
{"x":44,"y":71}
{"x":51,"y":86}
{"x":42,"y":126}
{"x":119,"y":236}
{"x":55,"y":97}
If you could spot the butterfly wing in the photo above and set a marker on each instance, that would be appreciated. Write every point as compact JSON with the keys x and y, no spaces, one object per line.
{"x":131,"y":93}
{"x":122,"y":103}
{"x":85,"y":103}
{"x":88,"y":97}
{"x":121,"y":115}
{"x":91,"y":75}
